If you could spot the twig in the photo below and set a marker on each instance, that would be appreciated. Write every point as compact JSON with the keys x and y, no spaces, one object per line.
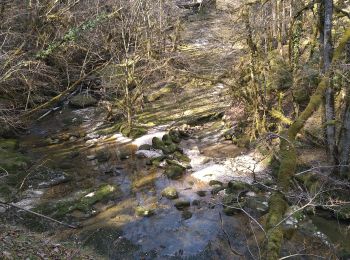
{"x":38,"y":214}
{"x":228,"y":237}
{"x":290,"y":256}
{"x":6,"y":173}
{"x":245,"y":212}
{"x":320,"y":167}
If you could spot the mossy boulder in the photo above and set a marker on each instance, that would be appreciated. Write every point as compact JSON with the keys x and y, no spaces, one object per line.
{"x":175,"y":136}
{"x":182,"y":204}
{"x":156,"y":161}
{"x":142,"y":211}
{"x":174,"y":171}
{"x":237,"y":186}
{"x":103,"y":193}
{"x":157,"y":143}
{"x":82,"y":100}
{"x":167,"y":139}
{"x":160,"y":145}
{"x":85,"y":203}
{"x":132,"y":132}
{"x":181,"y":157}
{"x":170,"y":193}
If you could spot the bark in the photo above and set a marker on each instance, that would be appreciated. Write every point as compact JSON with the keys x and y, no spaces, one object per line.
{"x":344,"y":138}
{"x":344,"y":143}
{"x":329,"y":96}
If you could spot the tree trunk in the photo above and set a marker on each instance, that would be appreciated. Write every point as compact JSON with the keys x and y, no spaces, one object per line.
{"x":344,"y":138}
{"x":329,"y":96}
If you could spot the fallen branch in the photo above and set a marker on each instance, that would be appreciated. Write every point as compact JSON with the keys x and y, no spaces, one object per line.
{"x":38,"y":214}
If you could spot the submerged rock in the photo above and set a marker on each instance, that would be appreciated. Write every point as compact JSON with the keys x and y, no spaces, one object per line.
{"x":182,"y":204}
{"x":170,"y":193}
{"x":186,"y":214}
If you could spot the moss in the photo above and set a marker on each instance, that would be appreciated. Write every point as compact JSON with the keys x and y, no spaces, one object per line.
{"x":61,"y":208}
{"x":174,"y":172}
{"x":167,"y":139}
{"x":104,"y":192}
{"x":175,"y":136}
{"x":181,"y":157}
{"x":159,"y":144}
{"x":170,"y":193}
{"x":277,"y":208}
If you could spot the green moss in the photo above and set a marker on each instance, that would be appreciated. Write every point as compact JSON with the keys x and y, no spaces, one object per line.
{"x":174,"y":171}
{"x":104,"y":192}
{"x":61,"y":208}
{"x":159,"y":144}
{"x":167,"y":139}
{"x":175,"y":136}
{"x":181,"y":157}
{"x":277,"y":208}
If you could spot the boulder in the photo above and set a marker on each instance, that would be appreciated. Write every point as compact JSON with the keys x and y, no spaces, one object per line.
{"x":170,"y":193}
{"x":182,"y":204}
{"x":144,"y":211}
{"x":174,"y":171}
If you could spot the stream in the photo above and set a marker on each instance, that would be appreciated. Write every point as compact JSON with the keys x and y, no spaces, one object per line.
{"x":117,"y":191}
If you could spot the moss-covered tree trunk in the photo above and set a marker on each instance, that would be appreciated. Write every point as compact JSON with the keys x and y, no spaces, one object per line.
{"x":277,"y":203}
